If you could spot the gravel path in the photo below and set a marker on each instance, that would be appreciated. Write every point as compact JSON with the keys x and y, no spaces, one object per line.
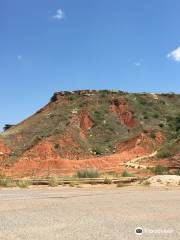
{"x":86,"y":214}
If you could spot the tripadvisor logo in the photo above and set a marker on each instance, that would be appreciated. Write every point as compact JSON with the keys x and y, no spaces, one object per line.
{"x":139,"y":231}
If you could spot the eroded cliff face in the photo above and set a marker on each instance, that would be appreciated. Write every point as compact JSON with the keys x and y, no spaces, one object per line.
{"x":88,"y":129}
{"x":124,"y":113}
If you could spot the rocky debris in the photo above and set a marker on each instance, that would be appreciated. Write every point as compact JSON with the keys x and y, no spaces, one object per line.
{"x":164,"y":180}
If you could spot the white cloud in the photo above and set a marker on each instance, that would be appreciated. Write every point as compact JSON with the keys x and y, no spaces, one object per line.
{"x":59,"y":14}
{"x":175,"y":55}
{"x":137,"y":64}
{"x":19,"y":57}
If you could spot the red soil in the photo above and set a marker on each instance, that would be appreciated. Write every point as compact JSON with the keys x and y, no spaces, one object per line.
{"x":121,"y":108}
{"x":4,"y":151}
{"x":43,"y":159}
{"x":85,"y":123}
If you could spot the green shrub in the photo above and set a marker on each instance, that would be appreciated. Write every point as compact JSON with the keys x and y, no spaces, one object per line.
{"x":159,"y":170}
{"x":88,"y":173}
{"x":107,"y":181}
{"x":155,"y":115}
{"x":97,"y":151}
{"x":146,"y":117}
{"x":153,"y":135}
{"x":23,"y":183}
{"x":146,"y":183}
{"x":53,"y":181}
{"x":164,"y":153}
{"x":177,"y":172}
{"x":7,"y":183}
{"x":125,"y":173}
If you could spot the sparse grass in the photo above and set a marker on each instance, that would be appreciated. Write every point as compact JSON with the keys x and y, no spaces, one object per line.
{"x":7,"y":182}
{"x":53,"y":181}
{"x":177,"y":172}
{"x":107,"y":181}
{"x":146,"y":183}
{"x":125,"y":173}
{"x":88,"y":173}
{"x":23,"y":183}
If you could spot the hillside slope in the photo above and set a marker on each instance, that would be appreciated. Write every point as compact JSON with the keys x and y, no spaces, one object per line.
{"x":102,"y":129}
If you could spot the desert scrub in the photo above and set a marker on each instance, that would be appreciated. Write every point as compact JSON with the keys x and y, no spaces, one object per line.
{"x":146,"y":183}
{"x":159,"y":170}
{"x":53,"y":181}
{"x":88,"y":173}
{"x":7,"y":182}
{"x":107,"y":181}
{"x":164,"y":153}
{"x":125,"y":173}
{"x":23,"y":183}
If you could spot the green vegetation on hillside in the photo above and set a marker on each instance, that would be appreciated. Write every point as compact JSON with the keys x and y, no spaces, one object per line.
{"x":160,"y":112}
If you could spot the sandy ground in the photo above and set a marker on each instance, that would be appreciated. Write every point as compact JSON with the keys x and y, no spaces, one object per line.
{"x":89,"y":213}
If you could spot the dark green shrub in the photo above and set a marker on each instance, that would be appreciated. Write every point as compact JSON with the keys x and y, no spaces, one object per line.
{"x":153,"y":135}
{"x":164,"y":153}
{"x":155,"y":115}
{"x":88,"y":173}
{"x":125,"y":173}
{"x":159,"y":170}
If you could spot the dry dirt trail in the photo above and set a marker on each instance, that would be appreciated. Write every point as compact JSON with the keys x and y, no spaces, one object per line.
{"x":133,"y":163}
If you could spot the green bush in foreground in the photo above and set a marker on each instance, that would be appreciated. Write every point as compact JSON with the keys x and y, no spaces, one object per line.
{"x":107,"y":181}
{"x":23,"y":183}
{"x":146,"y":183}
{"x":125,"y":173}
{"x":88,"y":173}
{"x":53,"y":181}
{"x":7,"y":183}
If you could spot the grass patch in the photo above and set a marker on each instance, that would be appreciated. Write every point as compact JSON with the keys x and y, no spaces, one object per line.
{"x":159,"y":170}
{"x":107,"y":181}
{"x":7,"y":182}
{"x":125,"y":173}
{"x":23,"y":183}
{"x":88,"y":173}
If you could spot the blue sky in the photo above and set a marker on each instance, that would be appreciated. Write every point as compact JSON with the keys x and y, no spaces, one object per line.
{"x":47,"y":46}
